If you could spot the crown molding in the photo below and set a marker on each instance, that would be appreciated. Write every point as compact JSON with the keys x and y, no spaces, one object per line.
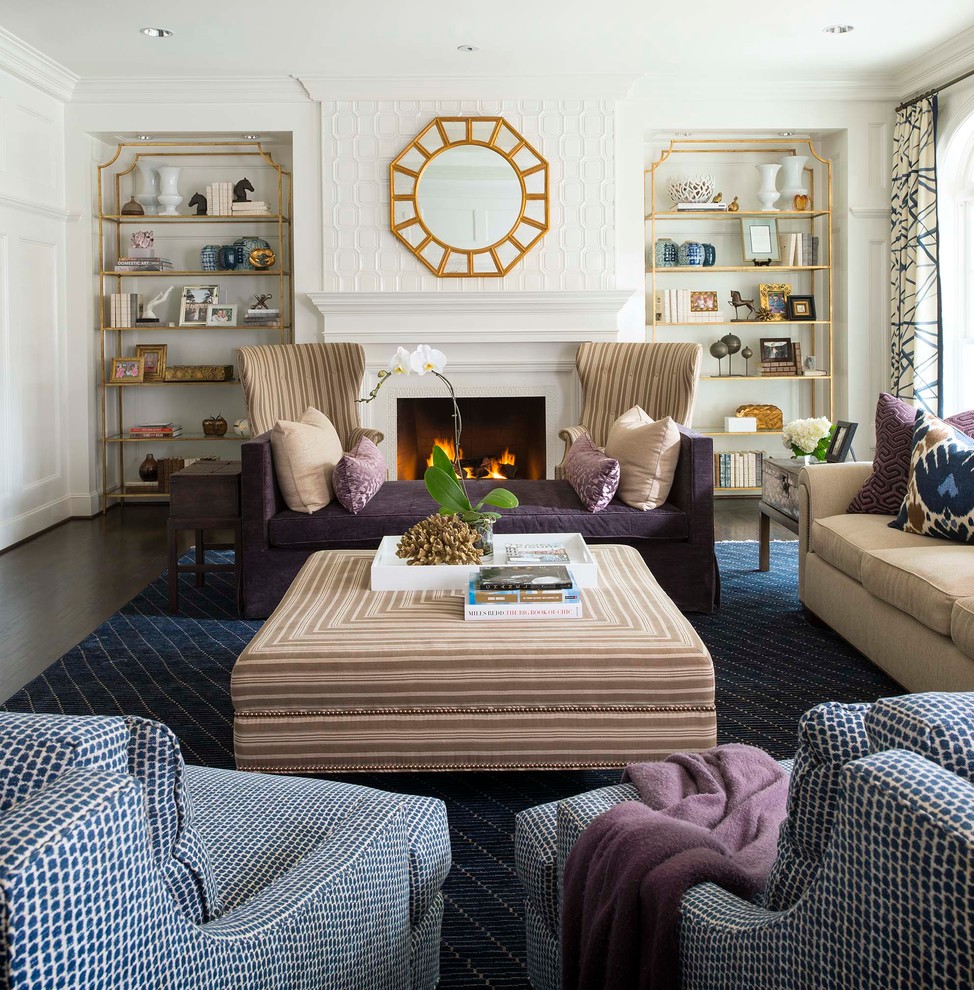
{"x":34,"y":67}
{"x":952,"y":58}
{"x":40,"y":209}
{"x":702,"y":87}
{"x":591,"y":86}
{"x":522,"y":317}
{"x":191,"y":89}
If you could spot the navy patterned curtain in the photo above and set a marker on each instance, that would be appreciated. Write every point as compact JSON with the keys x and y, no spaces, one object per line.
{"x":916,"y":359}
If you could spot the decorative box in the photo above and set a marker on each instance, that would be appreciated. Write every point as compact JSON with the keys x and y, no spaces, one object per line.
{"x":740,"y":424}
{"x":780,"y":487}
{"x":199,"y":373}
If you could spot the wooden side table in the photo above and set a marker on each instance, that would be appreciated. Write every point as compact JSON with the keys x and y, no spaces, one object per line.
{"x":779,"y":502}
{"x":204,"y":496}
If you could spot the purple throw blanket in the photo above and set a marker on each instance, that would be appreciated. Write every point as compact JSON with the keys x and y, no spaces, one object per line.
{"x":707,"y":816}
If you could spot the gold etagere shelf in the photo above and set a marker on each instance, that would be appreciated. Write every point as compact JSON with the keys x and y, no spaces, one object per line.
{"x":724,"y":156}
{"x":234,"y":158}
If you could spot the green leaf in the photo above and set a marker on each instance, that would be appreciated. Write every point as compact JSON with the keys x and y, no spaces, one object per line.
{"x":500,"y":497}
{"x":445,"y":490}
{"x":442,"y":461}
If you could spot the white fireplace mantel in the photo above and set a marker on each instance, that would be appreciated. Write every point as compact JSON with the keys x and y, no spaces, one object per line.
{"x":524,"y":317}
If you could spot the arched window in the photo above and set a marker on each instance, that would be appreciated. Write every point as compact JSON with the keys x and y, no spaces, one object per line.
{"x":955,"y":208}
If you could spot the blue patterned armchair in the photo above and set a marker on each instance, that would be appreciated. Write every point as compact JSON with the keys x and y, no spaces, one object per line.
{"x":873,"y":886}
{"x":120,"y":866}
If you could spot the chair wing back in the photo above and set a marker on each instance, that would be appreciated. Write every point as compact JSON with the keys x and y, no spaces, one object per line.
{"x":662,"y":378}
{"x":280,"y":381}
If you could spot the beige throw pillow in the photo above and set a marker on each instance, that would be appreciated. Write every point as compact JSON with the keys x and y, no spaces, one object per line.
{"x":647,"y":452}
{"x":305,"y":455}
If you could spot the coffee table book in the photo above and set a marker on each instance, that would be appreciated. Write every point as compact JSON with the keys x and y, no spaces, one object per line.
{"x":390,"y":573}
{"x":567,"y":610}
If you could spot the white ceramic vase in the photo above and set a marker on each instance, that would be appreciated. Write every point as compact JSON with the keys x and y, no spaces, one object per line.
{"x":148,"y":198}
{"x":169,"y":197}
{"x":768,"y":192}
{"x":793,"y":176}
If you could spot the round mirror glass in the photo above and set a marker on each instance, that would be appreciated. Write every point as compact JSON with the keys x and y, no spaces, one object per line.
{"x":469,"y":197}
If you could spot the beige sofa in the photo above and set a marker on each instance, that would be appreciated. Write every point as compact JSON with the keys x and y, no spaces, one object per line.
{"x":905,"y":601}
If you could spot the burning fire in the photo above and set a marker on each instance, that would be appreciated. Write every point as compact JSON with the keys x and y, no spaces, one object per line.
{"x":490,"y":467}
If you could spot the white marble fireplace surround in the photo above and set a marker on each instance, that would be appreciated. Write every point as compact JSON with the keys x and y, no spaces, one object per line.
{"x":496,"y":344}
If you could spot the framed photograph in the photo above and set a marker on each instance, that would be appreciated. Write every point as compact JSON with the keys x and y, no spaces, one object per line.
{"x":221,"y":315}
{"x":703,"y":302}
{"x":127,"y":371}
{"x":776,"y":349}
{"x":841,"y":442}
{"x":193,"y":303}
{"x":801,"y":307}
{"x":774,"y":296}
{"x":760,"y":236}
{"x":153,"y":361}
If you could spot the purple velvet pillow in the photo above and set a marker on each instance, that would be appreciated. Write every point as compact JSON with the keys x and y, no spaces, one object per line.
{"x":594,"y":476}
{"x":359,"y":475}
{"x":883,"y":491}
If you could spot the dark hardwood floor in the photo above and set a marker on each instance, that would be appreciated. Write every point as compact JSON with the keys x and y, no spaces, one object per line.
{"x":58,"y":587}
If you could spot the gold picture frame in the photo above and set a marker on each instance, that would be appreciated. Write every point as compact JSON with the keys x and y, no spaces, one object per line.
{"x":153,"y":361}
{"x":127,"y":371}
{"x":495,"y":257}
{"x":774,"y":297}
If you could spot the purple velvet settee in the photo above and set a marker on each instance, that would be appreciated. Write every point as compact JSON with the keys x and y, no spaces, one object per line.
{"x":676,"y":540}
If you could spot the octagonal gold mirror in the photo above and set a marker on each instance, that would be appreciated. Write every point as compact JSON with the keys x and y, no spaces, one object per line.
{"x":469,"y":197}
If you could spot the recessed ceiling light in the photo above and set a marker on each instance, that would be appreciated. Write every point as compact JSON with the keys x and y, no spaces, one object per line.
{"x":143,"y":137}
{"x":250,"y":137}
{"x":156,"y":32}
{"x":838,"y":28}
{"x":683,"y":133}
{"x":467,"y":48}
{"x":786,"y":133}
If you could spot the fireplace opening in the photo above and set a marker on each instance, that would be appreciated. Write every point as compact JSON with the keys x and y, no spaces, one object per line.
{"x":503,"y":437}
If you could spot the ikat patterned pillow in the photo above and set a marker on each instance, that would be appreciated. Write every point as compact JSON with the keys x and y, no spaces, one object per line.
{"x":939,"y":498}
{"x":594,"y":476}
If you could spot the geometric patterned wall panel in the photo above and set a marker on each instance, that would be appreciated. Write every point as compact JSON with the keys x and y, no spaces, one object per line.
{"x":361,"y":137}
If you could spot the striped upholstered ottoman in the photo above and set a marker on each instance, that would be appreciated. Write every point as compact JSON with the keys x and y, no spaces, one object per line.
{"x":344,"y":678}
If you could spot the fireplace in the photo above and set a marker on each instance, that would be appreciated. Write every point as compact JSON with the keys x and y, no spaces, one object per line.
{"x":502,"y":437}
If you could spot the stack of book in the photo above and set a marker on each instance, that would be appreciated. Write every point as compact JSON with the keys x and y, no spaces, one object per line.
{"x":701,"y":207}
{"x":798,"y":249}
{"x":219,"y":198}
{"x":784,"y":369}
{"x":152,"y":264}
{"x":514,"y":592}
{"x":124,"y":308}
{"x":688,"y":306}
{"x":739,"y":469}
{"x":252,"y":208}
{"x":262,"y":318}
{"x":536,"y":553}
{"x":160,"y":431}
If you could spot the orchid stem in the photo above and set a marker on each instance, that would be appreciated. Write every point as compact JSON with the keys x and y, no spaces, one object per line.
{"x":457,"y":430}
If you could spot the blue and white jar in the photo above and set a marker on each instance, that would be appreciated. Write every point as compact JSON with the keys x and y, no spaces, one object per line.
{"x":665,"y":252}
{"x":210,"y":258}
{"x":691,"y":253}
{"x":709,"y":256}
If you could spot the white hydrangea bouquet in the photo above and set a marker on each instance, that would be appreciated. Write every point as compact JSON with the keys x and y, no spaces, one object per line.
{"x":808,"y":436}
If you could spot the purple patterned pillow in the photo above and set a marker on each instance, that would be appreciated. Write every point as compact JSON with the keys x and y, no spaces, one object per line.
{"x":594,"y":476}
{"x":883,"y":491}
{"x":963,"y":421}
{"x":359,"y":475}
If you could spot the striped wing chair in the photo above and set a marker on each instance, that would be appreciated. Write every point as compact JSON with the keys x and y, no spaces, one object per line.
{"x":280,"y":381}
{"x":662,"y":378}
{"x":873,"y":886}
{"x":120,"y":866}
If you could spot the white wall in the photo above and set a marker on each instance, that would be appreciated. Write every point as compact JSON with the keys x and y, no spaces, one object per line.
{"x":34,"y":362}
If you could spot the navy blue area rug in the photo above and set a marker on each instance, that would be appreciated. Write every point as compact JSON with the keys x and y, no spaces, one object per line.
{"x":771,"y":666}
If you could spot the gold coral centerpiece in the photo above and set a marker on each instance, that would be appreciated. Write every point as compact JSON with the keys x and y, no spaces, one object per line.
{"x":440,"y":539}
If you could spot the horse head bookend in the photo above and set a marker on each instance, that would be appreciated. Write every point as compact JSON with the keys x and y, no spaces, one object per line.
{"x":199,"y":201}
{"x":241,"y":189}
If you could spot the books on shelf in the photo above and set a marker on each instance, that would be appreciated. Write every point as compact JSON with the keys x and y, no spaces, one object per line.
{"x":153,"y":264}
{"x":738,"y":469}
{"x":158,"y":431}
{"x":262,"y":317}
{"x":701,"y":207}
{"x":798,"y":249}
{"x":250,"y":208}
{"x":219,"y":199}
{"x":124,"y":308}
{"x":536,"y":553}
{"x":785,"y":369}
{"x":688,"y":306}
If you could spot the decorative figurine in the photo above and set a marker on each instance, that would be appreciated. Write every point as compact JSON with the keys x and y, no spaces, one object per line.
{"x":733,"y":346}
{"x":262,"y":300}
{"x":736,"y":301}
{"x":214,"y":426}
{"x":149,"y":313}
{"x":133,"y":208}
{"x":241,"y":189}
{"x":199,"y":201}
{"x":734,"y":206}
{"x":764,"y":315}
{"x":718,"y":349}
{"x":802,"y":202}
{"x":747,"y":354}
{"x":717,"y":198}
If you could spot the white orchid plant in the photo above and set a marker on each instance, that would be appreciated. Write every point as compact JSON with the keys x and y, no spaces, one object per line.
{"x":808,"y":436}
{"x":444,"y":478}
